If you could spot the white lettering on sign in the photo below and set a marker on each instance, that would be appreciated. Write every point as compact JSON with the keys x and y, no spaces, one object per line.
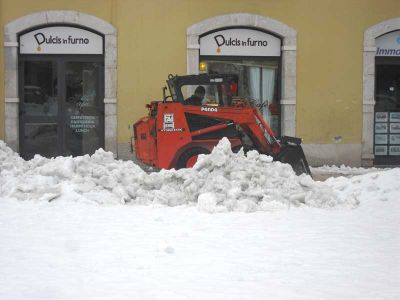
{"x":61,"y":40}
{"x":172,"y":130}
{"x":388,"y":44}
{"x":82,"y":123}
{"x":211,"y":109}
{"x":240,"y":42}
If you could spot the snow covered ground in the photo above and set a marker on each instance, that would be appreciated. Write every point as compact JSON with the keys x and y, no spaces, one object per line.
{"x":233,"y":227}
{"x":324,"y":172}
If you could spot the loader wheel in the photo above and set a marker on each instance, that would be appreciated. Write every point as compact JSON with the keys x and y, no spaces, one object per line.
{"x":189,"y":157}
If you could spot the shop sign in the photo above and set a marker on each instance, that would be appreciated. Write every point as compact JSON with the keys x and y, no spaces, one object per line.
{"x":61,"y":40}
{"x":240,"y":42}
{"x":388,"y":44}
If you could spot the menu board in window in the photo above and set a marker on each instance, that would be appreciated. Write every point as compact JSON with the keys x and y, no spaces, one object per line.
{"x":381,"y":116}
{"x":381,"y":127}
{"x":394,"y":150}
{"x":381,"y":139}
{"x":395,"y":117}
{"x":381,"y":150}
{"x":394,"y":127}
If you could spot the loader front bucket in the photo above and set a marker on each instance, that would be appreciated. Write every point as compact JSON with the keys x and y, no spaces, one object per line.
{"x":292,"y":153}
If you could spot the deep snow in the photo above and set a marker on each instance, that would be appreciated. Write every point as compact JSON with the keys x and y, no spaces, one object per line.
{"x":221,"y":181}
{"x":343,"y":170}
{"x":93,"y":227}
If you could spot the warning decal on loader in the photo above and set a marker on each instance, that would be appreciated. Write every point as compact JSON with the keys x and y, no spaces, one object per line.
{"x":169,"y":125}
{"x":168,"y":121}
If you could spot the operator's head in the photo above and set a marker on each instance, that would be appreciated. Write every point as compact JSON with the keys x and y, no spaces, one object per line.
{"x":200,"y":91}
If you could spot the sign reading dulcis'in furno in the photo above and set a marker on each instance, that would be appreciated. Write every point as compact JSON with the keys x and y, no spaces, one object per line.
{"x":61,"y":40}
{"x":240,"y":42}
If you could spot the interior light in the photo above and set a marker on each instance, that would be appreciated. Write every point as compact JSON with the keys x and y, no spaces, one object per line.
{"x":203,"y":66}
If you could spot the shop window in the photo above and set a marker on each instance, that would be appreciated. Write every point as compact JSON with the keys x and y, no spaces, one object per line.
{"x":256,"y":81}
{"x":387,"y":111}
{"x":40,"y":93}
{"x":254,"y":58}
{"x":206,"y":94}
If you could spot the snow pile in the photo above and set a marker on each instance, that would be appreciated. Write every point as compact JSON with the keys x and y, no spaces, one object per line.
{"x":344,"y":170}
{"x":221,"y":181}
{"x":380,"y":185}
{"x":235,"y":182}
{"x":99,"y":178}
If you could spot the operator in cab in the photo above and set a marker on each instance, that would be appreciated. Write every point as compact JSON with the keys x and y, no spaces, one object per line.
{"x":197,"y":97}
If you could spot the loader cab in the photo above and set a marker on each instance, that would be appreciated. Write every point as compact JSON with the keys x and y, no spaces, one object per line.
{"x":219,"y":89}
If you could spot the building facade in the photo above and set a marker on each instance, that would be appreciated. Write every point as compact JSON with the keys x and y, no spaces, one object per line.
{"x":75,"y":75}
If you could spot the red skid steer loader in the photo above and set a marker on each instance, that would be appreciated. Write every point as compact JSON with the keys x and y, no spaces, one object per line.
{"x":179,"y":129}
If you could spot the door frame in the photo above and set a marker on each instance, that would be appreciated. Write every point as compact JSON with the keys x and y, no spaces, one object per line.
{"x":59,"y":63}
{"x":386,"y":160}
{"x":288,"y":36}
{"x":67,"y":18}
{"x":368,"y":104}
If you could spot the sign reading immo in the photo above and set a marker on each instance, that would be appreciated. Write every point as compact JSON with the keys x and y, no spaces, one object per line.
{"x":388,"y":44}
{"x":240,"y":42}
{"x":61,"y":40}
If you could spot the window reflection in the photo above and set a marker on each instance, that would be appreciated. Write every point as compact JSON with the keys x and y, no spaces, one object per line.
{"x":387,"y":96}
{"x":258,"y":81}
{"x":40,"y":139}
{"x":40,"y":93}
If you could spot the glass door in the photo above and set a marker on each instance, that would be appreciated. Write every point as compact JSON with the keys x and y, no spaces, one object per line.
{"x":84,"y":109}
{"x":39,"y":109}
{"x":61,"y":108}
{"x":262,"y":86}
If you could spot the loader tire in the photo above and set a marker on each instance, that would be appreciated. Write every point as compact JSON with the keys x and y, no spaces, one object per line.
{"x":189,"y":157}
